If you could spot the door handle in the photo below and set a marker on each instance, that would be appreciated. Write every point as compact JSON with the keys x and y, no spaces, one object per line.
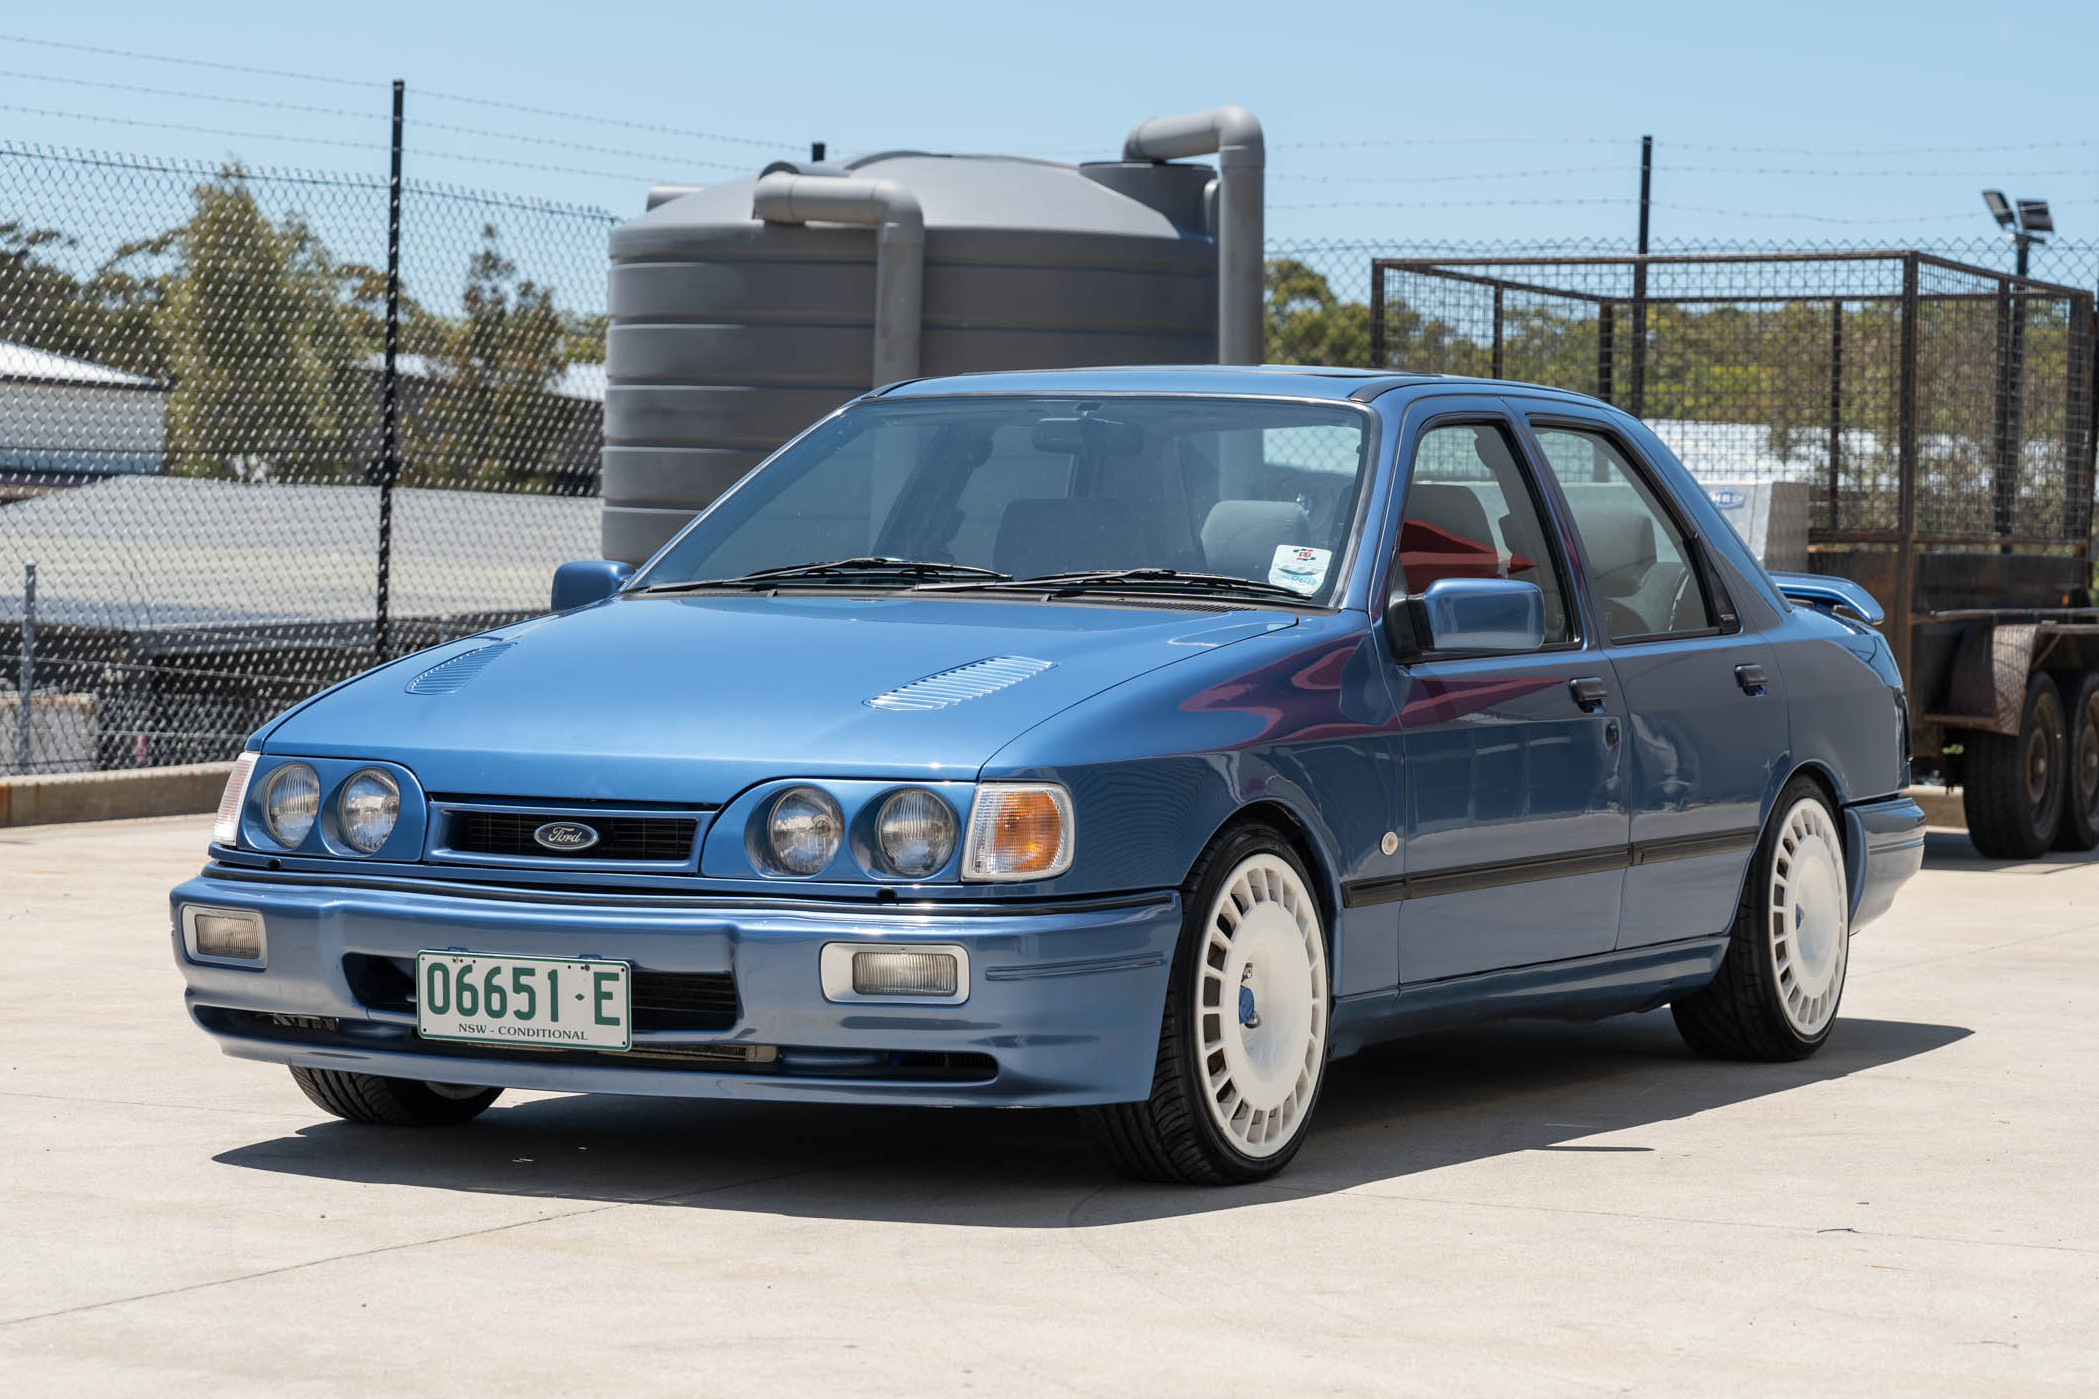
{"x":1589,"y":693}
{"x":1751,"y":678}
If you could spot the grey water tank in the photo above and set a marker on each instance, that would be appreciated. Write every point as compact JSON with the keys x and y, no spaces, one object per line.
{"x":730,"y":334}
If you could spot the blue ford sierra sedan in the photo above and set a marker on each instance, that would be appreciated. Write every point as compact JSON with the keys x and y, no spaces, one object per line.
{"x":1134,"y":740}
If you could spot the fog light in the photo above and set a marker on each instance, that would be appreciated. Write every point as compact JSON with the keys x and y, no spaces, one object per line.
{"x":862,"y":973}
{"x":223,"y":934}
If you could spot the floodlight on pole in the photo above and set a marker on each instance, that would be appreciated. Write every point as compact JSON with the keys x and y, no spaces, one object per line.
{"x":2000,"y":208}
{"x":2034,"y":216}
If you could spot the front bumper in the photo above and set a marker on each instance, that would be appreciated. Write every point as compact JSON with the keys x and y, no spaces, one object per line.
{"x":1063,"y":1007}
{"x":1886,"y":841}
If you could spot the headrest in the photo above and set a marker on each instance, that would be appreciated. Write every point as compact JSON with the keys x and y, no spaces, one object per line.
{"x":1621,"y":549}
{"x":1240,"y":537}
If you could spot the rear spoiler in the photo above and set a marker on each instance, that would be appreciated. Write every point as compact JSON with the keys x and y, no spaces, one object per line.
{"x":1831,"y":594}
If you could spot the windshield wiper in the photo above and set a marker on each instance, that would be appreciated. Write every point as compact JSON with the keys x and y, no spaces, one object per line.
{"x":1112,"y":578}
{"x":870,"y":567}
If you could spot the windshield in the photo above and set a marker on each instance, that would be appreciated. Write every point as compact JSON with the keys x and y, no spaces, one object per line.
{"x":1255,"y":489}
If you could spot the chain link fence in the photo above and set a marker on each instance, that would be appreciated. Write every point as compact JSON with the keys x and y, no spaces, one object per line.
{"x":192,"y":465}
{"x":191,"y":456}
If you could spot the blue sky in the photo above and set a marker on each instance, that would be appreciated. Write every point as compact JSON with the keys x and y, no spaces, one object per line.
{"x":1836,"y":122}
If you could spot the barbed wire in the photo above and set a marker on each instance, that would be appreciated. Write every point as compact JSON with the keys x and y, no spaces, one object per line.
{"x":190,"y":62}
{"x":625,"y":177}
{"x":606,"y":121}
{"x":374,"y":114}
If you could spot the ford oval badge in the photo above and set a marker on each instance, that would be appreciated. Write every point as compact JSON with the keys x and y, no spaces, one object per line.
{"x":565,"y":836}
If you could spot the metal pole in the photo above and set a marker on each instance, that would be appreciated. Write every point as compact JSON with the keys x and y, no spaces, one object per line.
{"x":2014,"y":414}
{"x":1639,"y":384}
{"x":389,"y":388}
{"x":1606,"y":332}
{"x":1377,"y":314}
{"x":1836,"y":411}
{"x":2000,"y":415}
{"x":1495,"y":362}
{"x":1906,"y":474}
{"x":28,"y":671}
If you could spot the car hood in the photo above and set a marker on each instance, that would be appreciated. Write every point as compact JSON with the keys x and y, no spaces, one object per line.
{"x":692,"y":699}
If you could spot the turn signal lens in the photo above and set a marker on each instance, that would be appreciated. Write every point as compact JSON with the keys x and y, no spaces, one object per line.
{"x":226,"y":826}
{"x":1018,"y":830}
{"x":290,"y":801}
{"x":232,"y":936}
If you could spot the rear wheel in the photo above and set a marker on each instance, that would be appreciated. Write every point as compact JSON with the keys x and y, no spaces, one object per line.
{"x":1776,"y":994}
{"x":2080,"y":827}
{"x":392,"y":1102}
{"x":1242,"y":1043}
{"x":2012,"y":784}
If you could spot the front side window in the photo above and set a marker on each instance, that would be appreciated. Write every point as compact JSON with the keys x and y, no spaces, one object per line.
{"x":1470,"y":513}
{"x":1033,"y":487}
{"x":1642,"y":564}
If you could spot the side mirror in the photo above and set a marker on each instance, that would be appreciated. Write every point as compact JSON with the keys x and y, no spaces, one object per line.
{"x":588,"y":580}
{"x":1477,"y":615}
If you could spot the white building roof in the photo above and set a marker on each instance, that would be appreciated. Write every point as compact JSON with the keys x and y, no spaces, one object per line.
{"x":41,"y":366}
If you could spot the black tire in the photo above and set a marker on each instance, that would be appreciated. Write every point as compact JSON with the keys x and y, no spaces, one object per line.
{"x":2080,"y":827}
{"x":392,"y":1102}
{"x":1740,"y":1013}
{"x":2012,"y":784}
{"x":1172,"y":1136}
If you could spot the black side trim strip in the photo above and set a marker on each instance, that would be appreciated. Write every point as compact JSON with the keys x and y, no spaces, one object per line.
{"x":1466,"y":879}
{"x":1690,"y":847}
{"x":614,"y":898}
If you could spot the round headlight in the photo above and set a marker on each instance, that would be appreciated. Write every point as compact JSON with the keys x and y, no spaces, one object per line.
{"x":290,"y":801}
{"x":368,"y":808}
{"x":804,"y":830}
{"x":916,"y":831}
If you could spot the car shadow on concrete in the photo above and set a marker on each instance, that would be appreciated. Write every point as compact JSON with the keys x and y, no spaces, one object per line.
{"x":1391,"y":1112}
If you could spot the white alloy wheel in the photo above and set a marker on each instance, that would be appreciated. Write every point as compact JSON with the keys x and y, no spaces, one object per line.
{"x":1809,"y":914}
{"x":1261,"y":990}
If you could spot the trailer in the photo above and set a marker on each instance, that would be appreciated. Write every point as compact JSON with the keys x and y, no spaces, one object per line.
{"x":1941,"y":415}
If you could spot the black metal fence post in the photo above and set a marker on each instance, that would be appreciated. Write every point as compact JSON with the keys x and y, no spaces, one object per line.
{"x":1494,"y":360}
{"x":389,"y":387}
{"x":1836,"y":412}
{"x":1638,"y":405}
{"x":1606,"y":332}
{"x":1906,"y":473}
{"x":27,"y":675}
{"x":1377,"y":315}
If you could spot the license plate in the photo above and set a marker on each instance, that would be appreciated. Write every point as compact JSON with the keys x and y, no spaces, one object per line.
{"x":522,"y":1000}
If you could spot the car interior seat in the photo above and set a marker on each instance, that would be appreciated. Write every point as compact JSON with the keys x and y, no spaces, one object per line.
{"x":1036,"y":537}
{"x":1240,"y":537}
{"x":1445,"y":534}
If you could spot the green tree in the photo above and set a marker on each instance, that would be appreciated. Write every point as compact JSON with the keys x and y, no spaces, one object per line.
{"x":264,"y":349}
{"x":492,"y":419}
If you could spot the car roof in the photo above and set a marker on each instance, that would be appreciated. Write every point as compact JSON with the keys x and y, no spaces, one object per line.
{"x":1267,"y":380}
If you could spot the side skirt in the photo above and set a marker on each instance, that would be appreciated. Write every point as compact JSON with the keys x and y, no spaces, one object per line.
{"x":1580,"y":988}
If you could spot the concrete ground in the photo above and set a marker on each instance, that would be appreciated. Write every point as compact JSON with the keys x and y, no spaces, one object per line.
{"x":1525,"y":1209}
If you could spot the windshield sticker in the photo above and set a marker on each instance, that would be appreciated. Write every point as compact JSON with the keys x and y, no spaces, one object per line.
{"x":1300,"y":570}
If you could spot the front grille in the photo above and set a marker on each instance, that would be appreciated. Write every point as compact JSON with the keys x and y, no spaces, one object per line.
{"x":659,"y":1000}
{"x":664,"y":839}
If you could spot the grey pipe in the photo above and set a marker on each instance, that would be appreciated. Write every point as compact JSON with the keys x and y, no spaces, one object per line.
{"x":1234,"y":135}
{"x":900,"y":251}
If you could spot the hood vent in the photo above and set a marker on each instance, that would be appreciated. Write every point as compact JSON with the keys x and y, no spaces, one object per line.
{"x":967,"y":682}
{"x":448,"y":676}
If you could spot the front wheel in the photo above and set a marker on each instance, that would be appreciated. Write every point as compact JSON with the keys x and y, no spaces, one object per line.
{"x":392,"y":1102}
{"x":1776,"y":994}
{"x":1243,"y":1041}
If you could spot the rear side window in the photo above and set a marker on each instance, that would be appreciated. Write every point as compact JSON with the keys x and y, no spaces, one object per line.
{"x":1470,"y":513}
{"x":1643,"y":566}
